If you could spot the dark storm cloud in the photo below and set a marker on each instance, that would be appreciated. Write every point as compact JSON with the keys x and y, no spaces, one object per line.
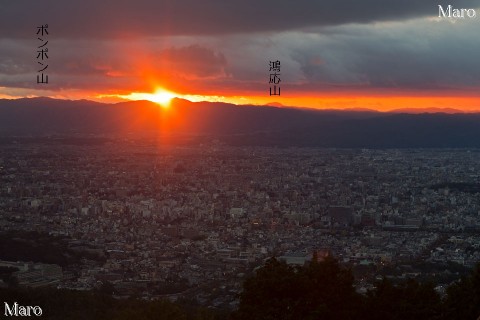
{"x":420,"y":55}
{"x":193,"y":62}
{"x":15,"y":57}
{"x":124,"y":18}
{"x":83,"y":64}
{"x":120,"y":45}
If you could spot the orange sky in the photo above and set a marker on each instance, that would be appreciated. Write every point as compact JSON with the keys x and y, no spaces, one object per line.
{"x":343,"y":100}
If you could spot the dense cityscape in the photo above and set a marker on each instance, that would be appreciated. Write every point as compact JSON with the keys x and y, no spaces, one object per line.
{"x":193,"y":221}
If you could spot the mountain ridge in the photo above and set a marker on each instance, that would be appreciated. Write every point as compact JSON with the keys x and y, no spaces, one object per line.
{"x":241,"y":125}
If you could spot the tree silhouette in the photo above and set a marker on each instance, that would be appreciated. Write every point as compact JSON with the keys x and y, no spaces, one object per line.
{"x":409,"y":300}
{"x":463,"y":298}
{"x":319,"y":290}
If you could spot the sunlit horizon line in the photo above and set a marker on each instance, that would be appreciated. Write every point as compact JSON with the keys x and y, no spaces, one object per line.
{"x":407,"y":104}
{"x":359,"y":103}
{"x":254,"y":101}
{"x":164,"y":97}
{"x":161,"y":96}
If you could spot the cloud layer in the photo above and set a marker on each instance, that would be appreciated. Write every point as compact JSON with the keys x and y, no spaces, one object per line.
{"x":124,"y":18}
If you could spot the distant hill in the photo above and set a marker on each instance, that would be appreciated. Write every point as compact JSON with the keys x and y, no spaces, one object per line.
{"x":274,"y":104}
{"x":240,"y":125}
{"x":427,"y":110}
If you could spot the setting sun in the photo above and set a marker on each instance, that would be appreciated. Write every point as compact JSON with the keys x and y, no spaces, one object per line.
{"x":160,"y":96}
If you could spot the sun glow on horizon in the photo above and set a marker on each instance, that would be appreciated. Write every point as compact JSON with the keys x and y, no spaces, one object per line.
{"x":354,"y":100}
{"x":160,"y":96}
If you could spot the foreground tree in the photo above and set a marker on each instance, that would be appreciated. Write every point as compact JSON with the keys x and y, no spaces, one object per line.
{"x":320,"y":290}
{"x":463,"y":298}
{"x":409,"y":300}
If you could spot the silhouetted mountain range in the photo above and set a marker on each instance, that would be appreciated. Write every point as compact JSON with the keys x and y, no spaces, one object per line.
{"x":240,"y":125}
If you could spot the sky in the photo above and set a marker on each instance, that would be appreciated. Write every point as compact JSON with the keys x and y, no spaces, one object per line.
{"x":375,"y":54}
